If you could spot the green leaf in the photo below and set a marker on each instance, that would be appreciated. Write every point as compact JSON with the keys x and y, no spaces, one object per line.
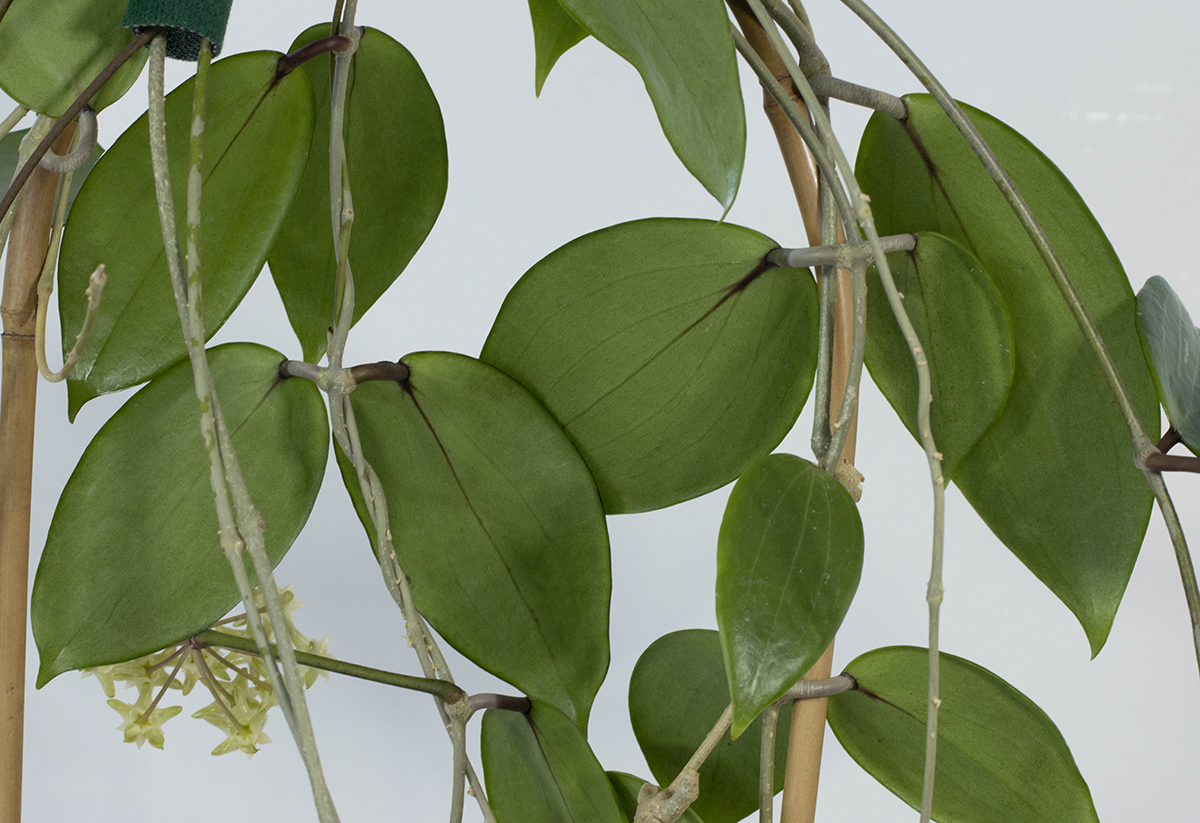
{"x":1172,"y":347}
{"x":1000,"y":758}
{"x":627,"y":787}
{"x":684,"y":52}
{"x":554,"y":32}
{"x":496,"y":521}
{"x":257,"y":135}
{"x":671,"y":352}
{"x":677,"y":691}
{"x":966,"y":336}
{"x":50,"y":52}
{"x":1054,"y":476}
{"x":133,"y":560}
{"x":539,"y":769}
{"x":396,"y":153}
{"x":789,"y":557}
{"x":10,"y":149}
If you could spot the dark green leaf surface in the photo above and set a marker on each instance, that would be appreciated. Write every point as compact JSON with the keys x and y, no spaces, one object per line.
{"x":789,"y":557}
{"x":684,"y":52}
{"x":257,"y":135}
{"x":1172,"y":346}
{"x":672,"y":354}
{"x":10,"y":149}
{"x":965,"y":334}
{"x":1000,"y":758}
{"x":50,"y":52}
{"x":539,"y":769}
{"x":1054,"y":477}
{"x":676,"y":694}
{"x":627,"y":787}
{"x":496,"y":521}
{"x":554,"y":32}
{"x":133,"y":560}
{"x":396,"y":153}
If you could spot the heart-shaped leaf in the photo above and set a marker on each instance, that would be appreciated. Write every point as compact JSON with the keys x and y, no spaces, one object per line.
{"x":496,"y":521}
{"x":257,"y":134}
{"x":396,"y":153}
{"x":1054,"y":476}
{"x":1172,"y":346}
{"x":133,"y":560}
{"x":627,"y":787}
{"x":1000,"y":758}
{"x":677,"y":692}
{"x":671,"y":352}
{"x":554,"y":32}
{"x":966,"y":337}
{"x":789,"y":557}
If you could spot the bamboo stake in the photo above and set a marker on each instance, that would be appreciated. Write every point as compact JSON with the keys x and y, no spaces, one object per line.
{"x":18,"y":400}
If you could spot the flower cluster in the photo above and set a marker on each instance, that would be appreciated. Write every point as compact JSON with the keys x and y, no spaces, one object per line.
{"x":238,"y":681}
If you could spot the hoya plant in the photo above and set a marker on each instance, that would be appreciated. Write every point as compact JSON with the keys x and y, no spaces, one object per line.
{"x":677,"y":351}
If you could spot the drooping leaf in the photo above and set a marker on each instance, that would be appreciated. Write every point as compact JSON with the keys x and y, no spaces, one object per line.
{"x":965,"y":335}
{"x":676,"y":693}
{"x":554,"y":32}
{"x":257,"y":134}
{"x":684,"y":52}
{"x":539,"y":768}
{"x":627,"y":787}
{"x":673,"y":355}
{"x":1054,"y":476}
{"x":1172,"y":347}
{"x":1000,"y":758}
{"x":497,"y":522}
{"x":10,"y":149}
{"x":396,"y":154}
{"x":50,"y":52}
{"x":789,"y":557}
{"x":133,"y":560}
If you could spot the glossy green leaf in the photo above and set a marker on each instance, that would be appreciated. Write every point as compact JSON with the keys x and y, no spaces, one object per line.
{"x":1054,"y":476}
{"x":539,"y":768}
{"x":1172,"y":347}
{"x":50,"y":52}
{"x":496,"y":521}
{"x":396,"y":153}
{"x":671,"y":352}
{"x":627,"y":787}
{"x":554,"y":32}
{"x":10,"y":149}
{"x":789,"y":557}
{"x":677,"y":691}
{"x":257,"y":135}
{"x":684,"y":52}
{"x":1000,"y":758}
{"x":965,"y":334}
{"x":133,"y":560}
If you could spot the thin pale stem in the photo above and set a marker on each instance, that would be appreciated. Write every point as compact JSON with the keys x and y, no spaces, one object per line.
{"x":809,"y":56}
{"x":85,"y":142}
{"x":712,"y":739}
{"x":819,"y":689}
{"x":458,"y":742}
{"x":826,"y":86}
{"x":14,"y":117}
{"x":1183,"y":557}
{"x":41,"y":126}
{"x":841,"y":255}
{"x":766,"y":764}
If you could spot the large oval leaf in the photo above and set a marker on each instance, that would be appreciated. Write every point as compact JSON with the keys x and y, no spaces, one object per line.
{"x":539,"y":768}
{"x":133,"y":560}
{"x":396,"y":153}
{"x":1054,"y":477}
{"x":965,"y":335}
{"x":671,"y":352}
{"x":554,"y":32}
{"x":1173,"y":351}
{"x":1000,"y":758}
{"x":496,"y":521}
{"x":50,"y":52}
{"x":677,"y":691}
{"x":258,"y":131}
{"x":789,"y":557}
{"x":684,"y":52}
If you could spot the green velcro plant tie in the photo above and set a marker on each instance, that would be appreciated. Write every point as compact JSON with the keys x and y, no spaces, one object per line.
{"x":186,"y":21}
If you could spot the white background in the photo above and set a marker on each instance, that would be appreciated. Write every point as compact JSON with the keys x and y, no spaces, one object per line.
{"x":1107,"y":90}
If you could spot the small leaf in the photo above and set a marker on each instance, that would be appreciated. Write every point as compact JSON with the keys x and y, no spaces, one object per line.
{"x":50,"y":52}
{"x":627,"y":787}
{"x":10,"y":149}
{"x":684,"y":52}
{"x":1172,"y":347}
{"x":133,"y":560}
{"x":1000,"y":758}
{"x":789,"y":557}
{"x":539,"y":768}
{"x":554,"y":32}
{"x":1054,"y":476}
{"x":257,"y":135}
{"x":677,"y":692}
{"x":396,"y":153}
{"x":673,"y":355}
{"x":496,"y":521}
